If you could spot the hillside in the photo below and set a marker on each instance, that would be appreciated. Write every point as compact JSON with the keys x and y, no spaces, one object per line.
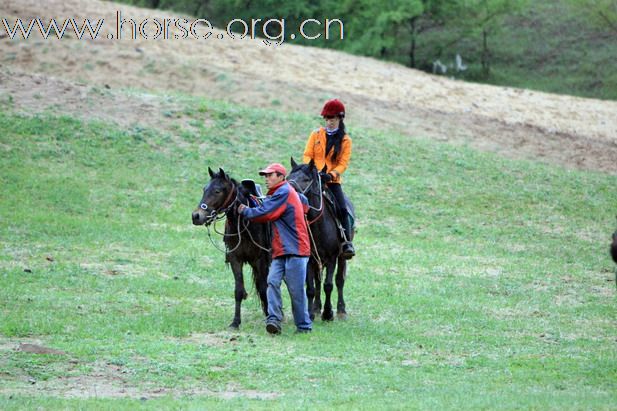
{"x":555,"y":46}
{"x":68,"y":75}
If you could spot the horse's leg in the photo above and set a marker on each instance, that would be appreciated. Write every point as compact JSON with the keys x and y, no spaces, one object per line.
{"x":328,"y":286}
{"x":317,"y":281}
{"x":310,"y":287}
{"x":240,"y":292}
{"x":261,"y":280}
{"x":341,"y":273}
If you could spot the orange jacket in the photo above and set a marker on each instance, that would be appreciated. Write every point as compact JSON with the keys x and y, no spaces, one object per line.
{"x":316,"y":150}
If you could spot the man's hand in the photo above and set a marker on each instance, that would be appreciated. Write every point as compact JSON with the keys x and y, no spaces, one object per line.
{"x":241,"y":207}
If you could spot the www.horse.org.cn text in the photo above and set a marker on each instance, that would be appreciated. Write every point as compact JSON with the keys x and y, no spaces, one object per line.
{"x":272,"y":31}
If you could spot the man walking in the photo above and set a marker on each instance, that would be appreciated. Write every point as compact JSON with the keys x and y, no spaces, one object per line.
{"x":285,"y":208}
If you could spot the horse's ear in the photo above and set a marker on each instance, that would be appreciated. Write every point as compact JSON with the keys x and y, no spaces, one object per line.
{"x":324,"y":169}
{"x":293,"y":163}
{"x":222,"y":173}
{"x":311,"y":164}
{"x":210,"y":172}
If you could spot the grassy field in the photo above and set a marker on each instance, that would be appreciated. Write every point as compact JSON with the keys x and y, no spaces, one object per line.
{"x":480,"y":282}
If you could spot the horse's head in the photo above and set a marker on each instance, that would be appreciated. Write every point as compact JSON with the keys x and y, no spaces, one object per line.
{"x":219,"y":194}
{"x":304,"y":177}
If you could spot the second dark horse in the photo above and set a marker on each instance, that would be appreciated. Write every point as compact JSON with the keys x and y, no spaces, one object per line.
{"x":326,"y":242}
{"x":245,"y":242}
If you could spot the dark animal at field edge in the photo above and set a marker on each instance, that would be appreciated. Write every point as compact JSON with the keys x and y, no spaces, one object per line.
{"x":246,"y":242}
{"x":613,"y":251}
{"x":614,"y":247}
{"x":325,"y":244}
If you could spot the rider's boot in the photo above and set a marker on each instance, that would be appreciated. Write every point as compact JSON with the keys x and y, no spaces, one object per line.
{"x":348,"y":249}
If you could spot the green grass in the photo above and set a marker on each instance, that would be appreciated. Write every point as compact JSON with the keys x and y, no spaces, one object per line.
{"x":480,"y":282}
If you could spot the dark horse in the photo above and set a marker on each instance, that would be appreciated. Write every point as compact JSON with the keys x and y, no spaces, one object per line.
{"x":245,"y":242}
{"x":614,"y":247}
{"x":614,"y":252}
{"x":325,"y":242}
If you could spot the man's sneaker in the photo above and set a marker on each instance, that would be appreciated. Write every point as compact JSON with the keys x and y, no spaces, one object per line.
{"x":303,"y":330}
{"x":273,"y":328}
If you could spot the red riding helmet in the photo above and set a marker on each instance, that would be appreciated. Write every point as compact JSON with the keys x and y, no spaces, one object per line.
{"x":333,"y":108}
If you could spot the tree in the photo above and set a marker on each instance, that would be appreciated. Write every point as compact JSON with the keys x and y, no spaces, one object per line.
{"x":379,"y":28}
{"x":479,"y":18}
{"x":602,"y":13}
{"x":433,"y":13}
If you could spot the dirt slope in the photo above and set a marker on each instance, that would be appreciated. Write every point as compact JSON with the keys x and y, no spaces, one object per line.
{"x":39,"y":73}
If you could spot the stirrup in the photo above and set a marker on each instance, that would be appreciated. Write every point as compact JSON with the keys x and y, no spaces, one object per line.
{"x":348,"y":250}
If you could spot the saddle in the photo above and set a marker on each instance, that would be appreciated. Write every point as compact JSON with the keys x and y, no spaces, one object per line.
{"x":256,"y":196}
{"x":329,"y":198}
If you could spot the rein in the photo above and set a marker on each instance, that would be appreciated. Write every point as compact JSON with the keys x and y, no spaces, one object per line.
{"x":294,"y":183}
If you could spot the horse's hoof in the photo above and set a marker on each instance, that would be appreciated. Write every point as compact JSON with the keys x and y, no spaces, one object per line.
{"x":234,"y":326}
{"x":341,"y":315}
{"x":327,"y":316}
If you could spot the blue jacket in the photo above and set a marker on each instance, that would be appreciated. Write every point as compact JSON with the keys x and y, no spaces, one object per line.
{"x":286,"y":209}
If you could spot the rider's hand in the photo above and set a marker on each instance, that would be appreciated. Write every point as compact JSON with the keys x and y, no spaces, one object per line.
{"x":325,"y":177}
{"x":241,"y":207}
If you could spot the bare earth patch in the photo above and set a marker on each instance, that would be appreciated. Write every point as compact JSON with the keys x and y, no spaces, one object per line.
{"x":104,"y":380}
{"x":38,"y":349}
{"x":108,"y":381}
{"x":80,"y":77}
{"x":41,"y":94}
{"x":7,"y":344}
{"x":211,"y":339}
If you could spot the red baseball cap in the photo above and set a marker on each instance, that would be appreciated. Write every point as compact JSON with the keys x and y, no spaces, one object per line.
{"x":274,"y":168}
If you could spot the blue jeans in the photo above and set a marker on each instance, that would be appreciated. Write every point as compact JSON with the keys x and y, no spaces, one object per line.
{"x":291,"y":269}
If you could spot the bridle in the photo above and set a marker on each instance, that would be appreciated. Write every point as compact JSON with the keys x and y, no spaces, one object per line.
{"x":220,"y":213}
{"x":307,"y":189}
